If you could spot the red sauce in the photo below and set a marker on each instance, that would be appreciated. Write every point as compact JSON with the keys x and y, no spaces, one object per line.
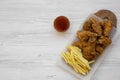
{"x":61,"y":23}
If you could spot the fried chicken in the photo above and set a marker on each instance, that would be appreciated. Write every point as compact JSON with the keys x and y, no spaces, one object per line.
{"x":94,"y":37}
{"x":86,"y":36}
{"x":96,"y":26}
{"x":89,"y":56}
{"x":104,"y":41}
{"x":97,"y":29}
{"x":87,"y":26}
{"x":99,"y":49}
{"x":79,"y":44}
{"x":107,"y":27}
{"x":89,"y":52}
{"x":93,"y":25}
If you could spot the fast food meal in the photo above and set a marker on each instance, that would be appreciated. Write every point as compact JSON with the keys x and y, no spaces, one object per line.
{"x":90,"y":44}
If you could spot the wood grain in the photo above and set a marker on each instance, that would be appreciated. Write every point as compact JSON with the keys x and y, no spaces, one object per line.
{"x":30,"y":47}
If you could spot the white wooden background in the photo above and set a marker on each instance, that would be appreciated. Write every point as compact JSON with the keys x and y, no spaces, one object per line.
{"x":30,"y":47}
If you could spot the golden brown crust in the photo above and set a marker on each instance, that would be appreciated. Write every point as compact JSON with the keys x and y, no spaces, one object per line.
{"x":94,"y":37}
{"x":93,"y":25}
{"x":105,"y":41}
{"x":107,"y":27}
{"x":99,"y":49}
{"x":107,"y":14}
{"x":86,"y":36}
{"x":87,"y":26}
{"x":89,"y":52}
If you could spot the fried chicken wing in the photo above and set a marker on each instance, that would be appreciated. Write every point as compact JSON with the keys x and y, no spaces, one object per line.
{"x":86,"y":36}
{"x":87,"y":26}
{"x":97,"y":29}
{"x":93,"y":25}
{"x":94,"y":20}
{"x":89,"y":52}
{"x":105,"y":41}
{"x":80,"y":44}
{"x":107,"y":27}
{"x":96,"y":26}
{"x":90,"y":56}
{"x":94,"y":38}
{"x":99,"y":49}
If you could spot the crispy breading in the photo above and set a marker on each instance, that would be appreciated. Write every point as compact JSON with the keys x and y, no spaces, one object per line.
{"x":87,"y":48}
{"x":107,"y":27}
{"x":82,"y":44}
{"x":96,"y":26}
{"x":99,"y":49}
{"x":87,"y":26}
{"x":93,"y":25}
{"x":78,"y":44}
{"x":94,"y":20}
{"x":89,"y":51}
{"x":94,"y":38}
{"x":105,"y":41}
{"x":90,"y":56}
{"x":86,"y":36}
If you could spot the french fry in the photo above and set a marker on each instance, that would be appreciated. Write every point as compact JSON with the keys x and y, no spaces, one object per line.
{"x":74,"y":58}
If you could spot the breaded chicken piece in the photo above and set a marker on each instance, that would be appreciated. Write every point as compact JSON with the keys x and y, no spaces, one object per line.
{"x":99,"y":49}
{"x":96,"y":26}
{"x":94,"y":20}
{"x":94,"y":38}
{"x":87,"y":26}
{"x":88,"y":49}
{"x":104,"y":41}
{"x":86,"y":36}
{"x":107,"y":27}
{"x":97,"y":29}
{"x":89,"y":52}
{"x":93,"y":25}
{"x":90,"y":56}
{"x":80,"y":44}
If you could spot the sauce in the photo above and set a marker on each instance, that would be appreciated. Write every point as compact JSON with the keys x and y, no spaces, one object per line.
{"x":61,"y":23}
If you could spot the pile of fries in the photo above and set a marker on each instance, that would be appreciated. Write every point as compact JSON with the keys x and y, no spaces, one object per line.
{"x":74,"y":58}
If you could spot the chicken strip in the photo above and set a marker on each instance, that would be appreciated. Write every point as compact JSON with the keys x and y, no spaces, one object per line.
{"x":96,"y":26}
{"x":89,"y":52}
{"x":107,"y":27}
{"x":81,"y":44}
{"x":104,"y":41}
{"x":87,"y":26}
{"x":86,"y":36}
{"x":99,"y":49}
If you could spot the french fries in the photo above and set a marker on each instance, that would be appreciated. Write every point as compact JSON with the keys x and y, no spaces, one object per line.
{"x":91,"y":41}
{"x":74,"y":58}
